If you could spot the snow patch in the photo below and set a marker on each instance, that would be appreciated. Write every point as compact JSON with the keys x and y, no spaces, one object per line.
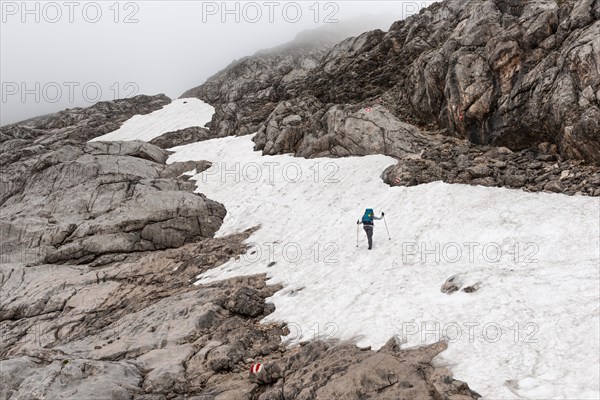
{"x":529,"y":331}
{"x":179,"y":114}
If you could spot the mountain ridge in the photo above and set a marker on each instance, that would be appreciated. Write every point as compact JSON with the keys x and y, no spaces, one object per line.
{"x":484,"y":71}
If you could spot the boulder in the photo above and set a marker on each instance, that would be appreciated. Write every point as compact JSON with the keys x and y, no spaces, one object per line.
{"x":181,"y":137}
{"x":451,"y":285}
{"x":246,"y":302}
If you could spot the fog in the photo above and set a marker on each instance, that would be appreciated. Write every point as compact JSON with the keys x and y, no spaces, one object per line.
{"x":57,"y":55}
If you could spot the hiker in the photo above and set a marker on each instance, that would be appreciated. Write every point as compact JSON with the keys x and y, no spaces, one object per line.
{"x":367,"y":221}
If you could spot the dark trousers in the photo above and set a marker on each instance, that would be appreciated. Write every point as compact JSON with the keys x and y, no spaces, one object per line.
{"x":369,"y":232}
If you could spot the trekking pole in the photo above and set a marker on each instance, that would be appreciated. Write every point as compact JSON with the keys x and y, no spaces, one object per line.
{"x":386,"y":228}
{"x":356,"y":235}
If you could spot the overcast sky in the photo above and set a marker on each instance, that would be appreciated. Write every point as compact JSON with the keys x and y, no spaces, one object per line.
{"x":57,"y":55}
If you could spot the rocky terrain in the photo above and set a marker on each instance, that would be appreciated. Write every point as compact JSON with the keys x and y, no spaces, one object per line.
{"x":181,"y":137}
{"x":68,"y":200}
{"x":102,"y":241}
{"x":245,"y":92}
{"x":139,"y":329}
{"x":539,"y":169}
{"x":101,"y":244}
{"x":524,"y":77}
{"x":495,"y":72}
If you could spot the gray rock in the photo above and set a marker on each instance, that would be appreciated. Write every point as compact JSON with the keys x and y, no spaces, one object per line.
{"x":223,"y":358}
{"x":451,"y":285}
{"x":515,"y":181}
{"x":133,"y":148}
{"x":267,"y":374}
{"x":291,"y":120}
{"x":554,"y":186}
{"x":472,"y":288}
{"x":181,"y":137}
{"x":415,"y":170}
{"x":456,"y":161}
{"x":346,"y":372}
{"x":69,"y":199}
{"x":167,"y":379}
{"x":78,"y":379}
{"x":337,"y":131}
{"x":248,"y":90}
{"x":247,"y":302}
{"x":13,"y":372}
{"x":57,"y":137}
{"x":128,"y":329}
{"x":479,"y":171}
{"x":513,"y":75}
{"x":177,"y":169}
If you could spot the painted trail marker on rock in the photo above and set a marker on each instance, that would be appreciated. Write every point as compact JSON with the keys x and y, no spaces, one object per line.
{"x":264,"y":374}
{"x":255,"y":368}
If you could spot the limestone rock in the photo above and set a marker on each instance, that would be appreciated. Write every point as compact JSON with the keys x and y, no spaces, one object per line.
{"x":456,"y":161}
{"x":451,"y":285}
{"x":68,"y":199}
{"x":181,"y":137}
{"x":491,"y":72}
{"x":246,"y":302}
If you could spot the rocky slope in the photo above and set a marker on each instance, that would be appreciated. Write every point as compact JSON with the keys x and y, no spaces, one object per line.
{"x":101,"y":244}
{"x":180,"y":137}
{"x":245,"y":93}
{"x":538,"y":169}
{"x":68,"y":200}
{"x":525,"y":76}
{"x":139,"y":329}
{"x":505,"y":73}
{"x":22,"y":141}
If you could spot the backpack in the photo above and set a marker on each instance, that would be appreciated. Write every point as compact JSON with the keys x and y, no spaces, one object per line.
{"x":368,"y":216}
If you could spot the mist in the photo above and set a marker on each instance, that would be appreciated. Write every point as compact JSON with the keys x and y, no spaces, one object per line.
{"x":60,"y":55}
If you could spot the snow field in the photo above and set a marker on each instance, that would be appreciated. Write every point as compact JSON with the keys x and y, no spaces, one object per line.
{"x":530,"y":331}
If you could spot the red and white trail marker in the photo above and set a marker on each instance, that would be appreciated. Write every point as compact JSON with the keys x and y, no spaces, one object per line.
{"x":255,"y":368}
